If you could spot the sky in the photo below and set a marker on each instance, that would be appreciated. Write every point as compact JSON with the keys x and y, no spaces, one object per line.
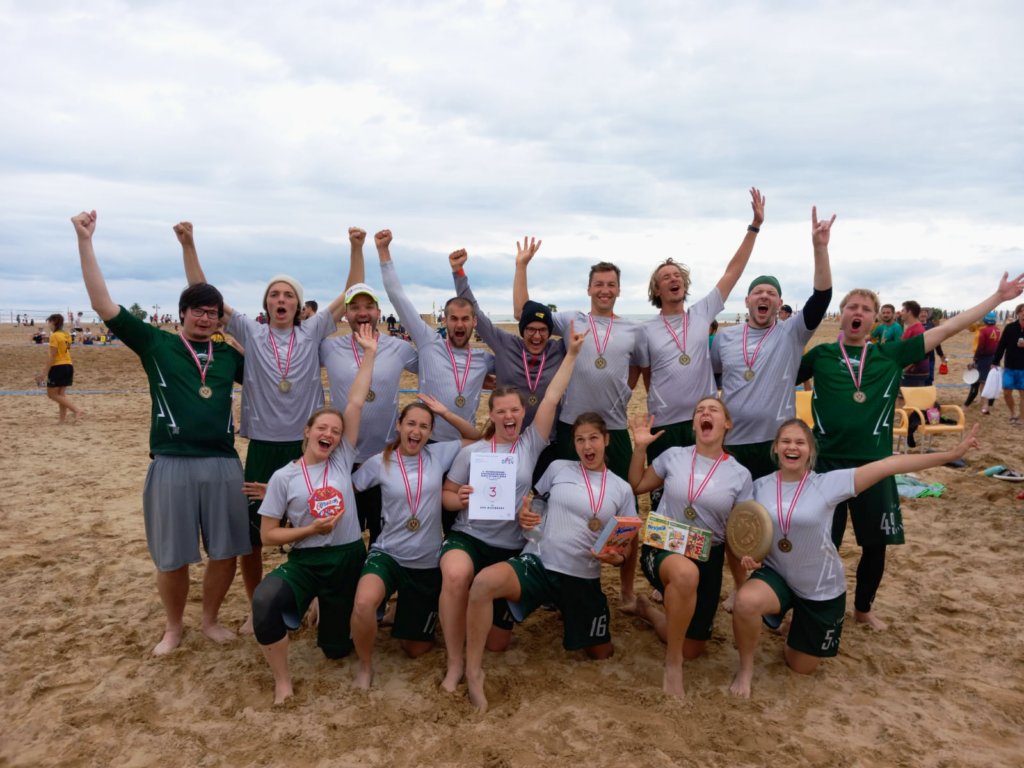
{"x":627,"y":132}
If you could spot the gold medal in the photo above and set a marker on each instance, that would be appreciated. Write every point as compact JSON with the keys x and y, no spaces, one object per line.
{"x":460,"y":401}
{"x":371,"y":396}
{"x":684,"y":359}
{"x":748,"y":374}
{"x":785,"y":545}
{"x":413,"y":524}
{"x":600,"y":363}
{"x":691,"y":513}
{"x":532,"y":400}
{"x":285,"y":386}
{"x":859,"y":396}
{"x":205,"y":392}
{"x":594,"y":524}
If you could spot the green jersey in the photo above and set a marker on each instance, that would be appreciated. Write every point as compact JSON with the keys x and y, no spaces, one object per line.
{"x":884,"y":334}
{"x":183,"y":422}
{"x":843,"y":427}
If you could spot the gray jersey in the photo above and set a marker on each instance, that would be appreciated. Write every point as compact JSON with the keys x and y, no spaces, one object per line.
{"x":413,"y":549}
{"x":761,"y":405}
{"x":602,"y":390}
{"x":436,"y":376}
{"x":813,"y":568}
{"x":676,"y":388}
{"x":268,"y":413}
{"x":378,"y":425}
{"x":567,"y":541}
{"x":499,"y":533}
{"x":730,"y":485}
{"x":508,"y":355}
{"x":288,"y":495}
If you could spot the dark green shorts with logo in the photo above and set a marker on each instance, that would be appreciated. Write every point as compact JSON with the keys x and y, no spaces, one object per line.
{"x":817,"y":624}
{"x":582,"y":603}
{"x":709,"y":585}
{"x":262,"y":460}
{"x":756,"y":457}
{"x":330,"y":574}
{"x":876,"y":513}
{"x":483,"y":556}
{"x":418,"y":592}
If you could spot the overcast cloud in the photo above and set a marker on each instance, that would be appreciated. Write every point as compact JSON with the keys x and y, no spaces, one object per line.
{"x":620,"y":131}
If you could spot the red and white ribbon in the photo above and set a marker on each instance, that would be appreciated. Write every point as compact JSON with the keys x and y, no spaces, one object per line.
{"x":785,"y":524}
{"x":455,"y":367}
{"x":690,"y":497}
{"x":750,"y":362}
{"x":601,"y":346}
{"x":209,"y":357}
{"x":288,"y":355}
{"x":413,"y":505}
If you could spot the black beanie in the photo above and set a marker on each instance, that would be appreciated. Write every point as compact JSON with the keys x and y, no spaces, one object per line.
{"x":534,"y":311}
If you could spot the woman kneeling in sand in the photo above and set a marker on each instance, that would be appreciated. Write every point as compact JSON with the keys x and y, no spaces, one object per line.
{"x":583,"y":496}
{"x":702,"y":485}
{"x":803,"y":570}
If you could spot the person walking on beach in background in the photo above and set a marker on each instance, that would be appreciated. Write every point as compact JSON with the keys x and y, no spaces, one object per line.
{"x":58,"y":374}
{"x":282,"y":384}
{"x":1011,"y":344}
{"x":309,"y":310}
{"x":888,"y":330}
{"x":984,"y":354}
{"x":926,"y":321}
{"x":193,"y":487}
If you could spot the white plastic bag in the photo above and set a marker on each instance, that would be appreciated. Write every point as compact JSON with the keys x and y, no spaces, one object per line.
{"x":993,"y":384}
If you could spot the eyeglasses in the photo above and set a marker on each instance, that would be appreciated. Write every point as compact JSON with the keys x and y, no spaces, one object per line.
{"x":534,"y":331}
{"x":213,"y":314}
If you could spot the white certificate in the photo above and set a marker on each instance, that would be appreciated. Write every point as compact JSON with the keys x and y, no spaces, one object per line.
{"x":493,"y":478}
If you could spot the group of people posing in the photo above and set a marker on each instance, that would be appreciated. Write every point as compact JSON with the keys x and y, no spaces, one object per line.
{"x":316,"y":477}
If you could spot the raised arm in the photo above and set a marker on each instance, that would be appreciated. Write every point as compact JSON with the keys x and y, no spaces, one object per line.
{"x":869,"y":474}
{"x":544,"y":419}
{"x":361,"y":383}
{"x":520,"y":291}
{"x":643,"y":480}
{"x":193,"y":271}
{"x":735,"y":267}
{"x":420,"y":332}
{"x":487,"y":330}
{"x":817,"y":305}
{"x":469,"y":431}
{"x":1006,"y":291}
{"x":104,"y":306}
{"x":356,"y":271}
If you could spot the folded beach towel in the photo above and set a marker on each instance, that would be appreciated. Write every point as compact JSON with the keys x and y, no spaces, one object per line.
{"x":910,"y":488}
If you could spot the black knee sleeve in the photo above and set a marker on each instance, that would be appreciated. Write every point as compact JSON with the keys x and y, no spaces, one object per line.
{"x":869,"y":576}
{"x":271,"y":601}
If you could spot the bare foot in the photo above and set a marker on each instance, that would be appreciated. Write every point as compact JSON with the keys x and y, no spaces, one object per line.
{"x":389,"y":616}
{"x":282,"y":691}
{"x":637,"y":607}
{"x":363,"y":678}
{"x":77,"y":418}
{"x":217,"y":633}
{"x":783,"y":629}
{"x":672,"y":681}
{"x":476,"y":691}
{"x":657,"y":597}
{"x":170,"y":641}
{"x":452,"y":679}
{"x":246,"y":629}
{"x":730,"y":601}
{"x":741,"y":683}
{"x":871,"y":620}
{"x":627,"y":600}
{"x":313,"y":613}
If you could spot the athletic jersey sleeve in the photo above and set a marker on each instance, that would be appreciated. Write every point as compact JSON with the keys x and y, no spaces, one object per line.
{"x":548,"y":478}
{"x":806,"y":370}
{"x":343,"y":457}
{"x":420,"y":332}
{"x":837,"y":486}
{"x":136,"y":335}
{"x":816,"y":307}
{"x":226,"y":349}
{"x":445,"y":453}
{"x":561,"y":322}
{"x":909,"y":351}
{"x":275,"y":503}
{"x":324,"y":324}
{"x":746,"y":484}
{"x":491,"y":334}
{"x":459,"y":471}
{"x":662,"y":465}
{"x":410,"y":357}
{"x":627,"y":501}
{"x":368,"y":475}
{"x":241,"y":327}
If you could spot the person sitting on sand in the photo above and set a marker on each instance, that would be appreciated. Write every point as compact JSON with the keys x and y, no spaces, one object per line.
{"x":59,"y":373}
{"x":405,"y":556}
{"x":803,"y":570}
{"x":472,"y":545}
{"x":582,"y":497}
{"x":702,"y":485}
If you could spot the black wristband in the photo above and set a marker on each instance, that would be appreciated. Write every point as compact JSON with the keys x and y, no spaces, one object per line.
{"x":752,"y":228}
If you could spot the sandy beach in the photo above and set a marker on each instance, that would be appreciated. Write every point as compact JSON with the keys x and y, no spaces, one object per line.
{"x":944,"y":686}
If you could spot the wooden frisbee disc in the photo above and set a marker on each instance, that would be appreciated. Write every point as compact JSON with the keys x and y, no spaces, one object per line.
{"x":749,"y":531}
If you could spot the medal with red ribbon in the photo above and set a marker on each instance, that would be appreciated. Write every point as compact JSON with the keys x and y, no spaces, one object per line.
{"x":494,"y":445}
{"x":691,"y":499}
{"x":204,"y":391}
{"x":461,"y":399}
{"x":284,"y":385}
{"x":684,"y":359}
{"x":324,"y":501}
{"x":785,"y":545}
{"x":858,"y":396}
{"x":595,"y":523}
{"x":532,"y":385}
{"x":413,"y":524}
{"x":601,"y":346}
{"x":749,"y":373}
{"x":370,"y":395}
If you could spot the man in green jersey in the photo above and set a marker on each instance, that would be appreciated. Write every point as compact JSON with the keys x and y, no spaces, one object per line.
{"x":194,"y":485}
{"x":888,"y":330}
{"x":855,"y":388}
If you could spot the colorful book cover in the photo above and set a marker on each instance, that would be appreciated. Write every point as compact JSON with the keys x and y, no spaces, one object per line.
{"x":617,"y":534}
{"x":666,"y":533}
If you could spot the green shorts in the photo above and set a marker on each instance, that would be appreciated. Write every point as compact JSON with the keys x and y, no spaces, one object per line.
{"x":817,"y":624}
{"x":483,"y":556}
{"x":617,"y":456}
{"x":680,"y":435}
{"x":418,"y":592}
{"x":756,"y":457}
{"x":709,"y":585}
{"x":582,"y":603}
{"x":330,"y":574}
{"x":876,"y":514}
{"x":262,"y":460}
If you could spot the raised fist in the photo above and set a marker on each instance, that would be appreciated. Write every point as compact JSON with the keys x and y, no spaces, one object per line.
{"x":184,"y":233}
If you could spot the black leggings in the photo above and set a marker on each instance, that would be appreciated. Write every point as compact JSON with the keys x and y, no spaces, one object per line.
{"x":272,"y":601}
{"x":869,"y":576}
{"x":982,"y":365}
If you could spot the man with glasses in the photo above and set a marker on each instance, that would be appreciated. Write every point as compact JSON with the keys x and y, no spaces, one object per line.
{"x":194,"y":484}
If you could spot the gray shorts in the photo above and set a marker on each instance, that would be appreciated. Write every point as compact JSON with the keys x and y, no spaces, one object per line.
{"x":186,"y":498}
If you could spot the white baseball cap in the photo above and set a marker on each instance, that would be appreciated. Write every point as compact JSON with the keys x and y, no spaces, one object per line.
{"x":358,"y":288}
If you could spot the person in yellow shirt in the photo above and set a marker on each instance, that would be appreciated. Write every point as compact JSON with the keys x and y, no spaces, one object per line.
{"x":59,"y":373}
